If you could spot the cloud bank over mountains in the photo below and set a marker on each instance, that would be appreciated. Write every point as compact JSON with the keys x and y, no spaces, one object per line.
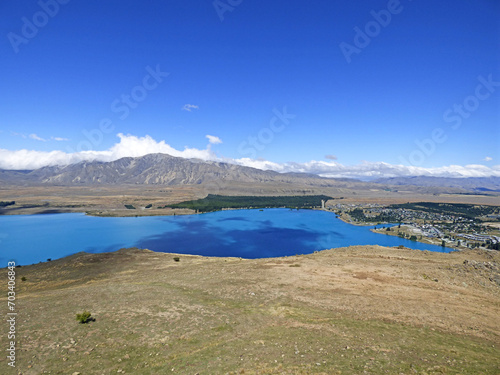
{"x":133,"y":146}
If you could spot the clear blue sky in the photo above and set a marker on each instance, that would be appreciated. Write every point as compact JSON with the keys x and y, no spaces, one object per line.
{"x":262,"y":55}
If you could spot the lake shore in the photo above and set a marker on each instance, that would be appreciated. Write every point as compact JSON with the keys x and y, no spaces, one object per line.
{"x":247,"y":233}
{"x":111,"y":201}
{"x":381,"y":229}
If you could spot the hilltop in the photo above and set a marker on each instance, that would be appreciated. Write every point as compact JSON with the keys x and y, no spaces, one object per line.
{"x":341,"y":311}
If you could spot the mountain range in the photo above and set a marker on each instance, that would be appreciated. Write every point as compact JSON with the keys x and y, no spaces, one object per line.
{"x":479,"y":184}
{"x":163,"y":169}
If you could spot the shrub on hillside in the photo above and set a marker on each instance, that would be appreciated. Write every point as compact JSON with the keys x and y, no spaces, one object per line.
{"x":84,"y":317}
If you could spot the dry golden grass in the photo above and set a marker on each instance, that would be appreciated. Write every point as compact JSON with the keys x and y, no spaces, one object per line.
{"x":352,"y":310}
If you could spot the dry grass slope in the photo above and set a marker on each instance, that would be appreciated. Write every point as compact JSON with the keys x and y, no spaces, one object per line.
{"x":353,"y":310}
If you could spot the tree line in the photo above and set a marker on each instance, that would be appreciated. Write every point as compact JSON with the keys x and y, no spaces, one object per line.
{"x":218,"y":202}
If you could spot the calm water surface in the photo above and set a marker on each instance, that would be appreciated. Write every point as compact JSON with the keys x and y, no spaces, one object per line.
{"x":277,"y":232}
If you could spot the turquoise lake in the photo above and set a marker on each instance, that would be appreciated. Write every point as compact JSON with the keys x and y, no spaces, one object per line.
{"x":29,"y":239}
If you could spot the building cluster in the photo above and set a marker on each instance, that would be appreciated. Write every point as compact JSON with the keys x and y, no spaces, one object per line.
{"x":373,"y":210}
{"x":444,"y":233}
{"x":444,"y":226}
{"x":481,"y":238}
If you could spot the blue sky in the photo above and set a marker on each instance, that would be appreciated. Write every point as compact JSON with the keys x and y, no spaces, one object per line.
{"x":281,"y":84}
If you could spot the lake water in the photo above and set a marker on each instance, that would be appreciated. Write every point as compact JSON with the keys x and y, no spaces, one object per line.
{"x":29,"y":239}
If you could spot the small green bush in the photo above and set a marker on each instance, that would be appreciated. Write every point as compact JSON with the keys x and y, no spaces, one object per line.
{"x":84,"y":317}
{"x":23,"y":278}
{"x":177,"y":259}
{"x":130,"y":207}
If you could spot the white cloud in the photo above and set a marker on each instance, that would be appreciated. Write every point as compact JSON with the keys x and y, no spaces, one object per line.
{"x":36,"y":137}
{"x":29,"y":159}
{"x":331,"y":157}
{"x":133,"y":146}
{"x":17,"y":134}
{"x":128,"y":146}
{"x":189,"y":107}
{"x":213,"y":139}
{"x":370,"y":170}
{"x":488,"y":158}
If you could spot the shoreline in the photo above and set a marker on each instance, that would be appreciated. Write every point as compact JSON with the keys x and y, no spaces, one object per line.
{"x":194,"y":252}
{"x":215,"y":257}
{"x":138,"y":212}
{"x":143,"y":212}
{"x":378,"y":230}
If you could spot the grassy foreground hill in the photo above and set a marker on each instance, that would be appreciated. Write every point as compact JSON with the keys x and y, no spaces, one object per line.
{"x":362,"y":309}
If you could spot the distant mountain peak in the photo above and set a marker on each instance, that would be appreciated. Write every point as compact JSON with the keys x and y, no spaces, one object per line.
{"x":469,"y":183}
{"x":154,"y":168}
